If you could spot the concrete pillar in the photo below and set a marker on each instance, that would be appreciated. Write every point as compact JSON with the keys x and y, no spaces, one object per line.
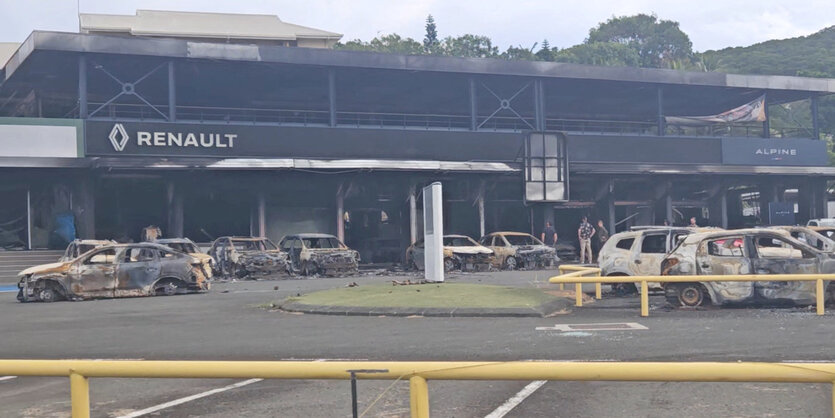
{"x":331,"y":97}
{"x":413,"y":232}
{"x":473,"y":105}
{"x":767,"y":121}
{"x":340,"y":213}
{"x":172,"y":93}
{"x":661,"y":121}
{"x":82,"y":87}
{"x":481,"y":215}
{"x":261,"y":214}
{"x":668,"y":204}
{"x":84,"y":208}
{"x":174,"y":207}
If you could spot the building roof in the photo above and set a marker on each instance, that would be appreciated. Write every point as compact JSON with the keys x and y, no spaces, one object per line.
{"x":201,"y":25}
{"x":7,"y":49}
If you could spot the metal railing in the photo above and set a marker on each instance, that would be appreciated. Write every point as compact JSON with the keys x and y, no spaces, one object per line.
{"x":584,"y":274}
{"x":418,"y":373}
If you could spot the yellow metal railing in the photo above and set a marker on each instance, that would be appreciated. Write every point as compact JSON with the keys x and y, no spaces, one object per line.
{"x":418,"y":373}
{"x":583,"y":274}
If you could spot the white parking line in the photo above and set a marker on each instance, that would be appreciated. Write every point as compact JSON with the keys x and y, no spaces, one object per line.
{"x":511,"y":403}
{"x":2,"y":378}
{"x":181,"y":401}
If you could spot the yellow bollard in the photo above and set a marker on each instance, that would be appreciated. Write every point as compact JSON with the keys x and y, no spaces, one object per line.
{"x":79,"y":395}
{"x":419,"y":397}
{"x":833,"y":399}
{"x":819,"y":296}
{"x":644,"y":298}
{"x":598,"y":292}
{"x":578,"y":294}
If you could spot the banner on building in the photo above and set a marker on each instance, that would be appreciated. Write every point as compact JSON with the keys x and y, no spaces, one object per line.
{"x":753,"y":111}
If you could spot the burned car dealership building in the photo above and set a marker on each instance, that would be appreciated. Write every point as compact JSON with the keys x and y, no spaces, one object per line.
{"x":210,"y":138}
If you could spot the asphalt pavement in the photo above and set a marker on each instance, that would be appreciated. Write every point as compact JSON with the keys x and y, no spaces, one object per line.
{"x":234,"y":322}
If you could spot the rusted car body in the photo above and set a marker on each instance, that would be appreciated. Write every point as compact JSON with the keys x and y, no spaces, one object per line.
{"x":119,"y":270}
{"x":810,"y":236}
{"x":248,"y":257}
{"x":639,"y":252}
{"x":185,"y":245}
{"x":81,"y":246}
{"x":744,"y":251}
{"x":514,"y":250}
{"x":460,"y":253}
{"x":312,"y":254}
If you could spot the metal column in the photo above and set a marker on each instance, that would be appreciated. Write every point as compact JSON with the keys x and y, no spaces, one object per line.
{"x":815,"y":122}
{"x":661,"y":126}
{"x":262,"y":215}
{"x":539,"y":104}
{"x":332,"y":97}
{"x":668,"y":203}
{"x":175,"y":211}
{"x":473,"y":106}
{"x":340,"y":213}
{"x":766,"y":122}
{"x":723,"y":201}
{"x":172,"y":93}
{"x":28,"y":218}
{"x":82,"y":87}
{"x":412,"y":215}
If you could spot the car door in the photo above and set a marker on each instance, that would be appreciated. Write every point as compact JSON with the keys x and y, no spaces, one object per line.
{"x":296,"y":252}
{"x":646,"y":257}
{"x":138,"y":268}
{"x":95,"y":275}
{"x":728,"y":255}
{"x":777,"y":255}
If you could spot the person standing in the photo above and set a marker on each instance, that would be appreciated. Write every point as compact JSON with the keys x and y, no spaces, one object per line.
{"x":693,"y":222}
{"x":584,"y":233}
{"x":602,"y":233}
{"x":549,"y":235}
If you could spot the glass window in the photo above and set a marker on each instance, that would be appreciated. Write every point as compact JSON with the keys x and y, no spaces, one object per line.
{"x":458,"y":242}
{"x":770,"y":247}
{"x":329,"y":242}
{"x":727,"y":247}
{"x":102,"y":257}
{"x":135,"y":255}
{"x":654,"y":244}
{"x":625,"y":244}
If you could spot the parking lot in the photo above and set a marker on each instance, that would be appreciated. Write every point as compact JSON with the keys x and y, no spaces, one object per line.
{"x":233,"y":322}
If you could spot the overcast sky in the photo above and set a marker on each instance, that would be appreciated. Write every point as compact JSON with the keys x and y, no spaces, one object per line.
{"x":711,"y":24}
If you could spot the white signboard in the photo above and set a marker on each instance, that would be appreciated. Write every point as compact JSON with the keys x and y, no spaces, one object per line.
{"x":433,"y":233}
{"x":38,"y":141}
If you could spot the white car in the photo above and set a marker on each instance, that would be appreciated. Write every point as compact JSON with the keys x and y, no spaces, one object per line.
{"x":639,"y":253}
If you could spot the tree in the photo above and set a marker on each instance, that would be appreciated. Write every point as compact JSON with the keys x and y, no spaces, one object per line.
{"x":600,"y":53}
{"x":519,"y":53}
{"x":391,"y":43}
{"x":659,"y":43}
{"x":546,"y":53}
{"x":470,"y":46}
{"x":430,"y":41}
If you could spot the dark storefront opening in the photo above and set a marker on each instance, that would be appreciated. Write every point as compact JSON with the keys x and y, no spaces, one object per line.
{"x":209,"y":214}
{"x":125,"y":205}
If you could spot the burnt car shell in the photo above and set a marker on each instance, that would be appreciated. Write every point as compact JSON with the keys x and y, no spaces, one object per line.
{"x":325,"y":254}
{"x":120,"y":270}
{"x":460,"y":253}
{"x":745,"y":251}
{"x":244,"y":257}
{"x":517,"y":249}
{"x":185,"y":245}
{"x":81,"y":246}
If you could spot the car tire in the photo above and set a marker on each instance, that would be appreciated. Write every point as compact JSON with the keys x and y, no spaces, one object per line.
{"x":510,"y":263}
{"x":48,"y":294}
{"x":686,"y":294}
{"x":166,"y":288}
{"x":309,"y":269}
{"x":449,"y":264}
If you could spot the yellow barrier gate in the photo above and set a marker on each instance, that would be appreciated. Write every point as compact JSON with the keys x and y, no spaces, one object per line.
{"x":583,"y":274}
{"x":418,"y":373}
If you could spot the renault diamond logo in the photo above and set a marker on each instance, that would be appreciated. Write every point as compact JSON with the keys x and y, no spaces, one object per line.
{"x":118,"y":137}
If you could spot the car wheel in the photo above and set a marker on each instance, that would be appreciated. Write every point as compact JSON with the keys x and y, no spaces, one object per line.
{"x":166,"y":288}
{"x":47,"y":295}
{"x":685,"y":294}
{"x":309,"y":269}
{"x":511,"y":263}
{"x":449,"y":264}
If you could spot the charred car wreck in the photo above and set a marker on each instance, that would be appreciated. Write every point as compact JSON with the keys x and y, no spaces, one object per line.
{"x":248,"y":257}
{"x":519,"y":250}
{"x":460,"y":253}
{"x":81,"y":246}
{"x":745,"y":251}
{"x":312,"y":254}
{"x":121,"y":270}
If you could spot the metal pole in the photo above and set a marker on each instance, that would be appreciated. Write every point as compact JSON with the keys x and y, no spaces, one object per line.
{"x":644,"y":298}
{"x":82,"y":87}
{"x":332,"y":97}
{"x":172,"y":93}
{"x":262,"y":215}
{"x":412,"y":215}
{"x":819,"y":296}
{"x":354,"y":410}
{"x":815,"y":122}
{"x":29,"y":218}
{"x":766,"y":122}
{"x":340,"y":214}
{"x":418,"y":397}
{"x":661,"y":127}
{"x":481,"y":215}
{"x":578,"y":294}
{"x":79,"y":395}
{"x":473,"y":106}
{"x":724,"y":208}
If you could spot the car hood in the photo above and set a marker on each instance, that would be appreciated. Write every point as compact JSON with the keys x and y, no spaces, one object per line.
{"x":331,"y":251}
{"x":200,"y":256}
{"x":59,"y":267}
{"x":469,"y":250}
{"x":527,"y":249}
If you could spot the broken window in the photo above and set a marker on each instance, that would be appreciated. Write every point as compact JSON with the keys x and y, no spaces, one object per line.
{"x":458,"y":242}
{"x":520,"y":240}
{"x":654,"y":244}
{"x":136,"y":255}
{"x":769,"y":247}
{"x":102,"y":257}
{"x":322,"y":243}
{"x":727,"y":247}
{"x":625,"y":244}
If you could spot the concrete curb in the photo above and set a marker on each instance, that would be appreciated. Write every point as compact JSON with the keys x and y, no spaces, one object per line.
{"x":536,"y":312}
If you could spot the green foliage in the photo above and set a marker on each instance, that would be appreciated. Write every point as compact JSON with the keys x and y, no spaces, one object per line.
{"x":431,"y":45}
{"x":659,"y":43}
{"x":519,"y":53}
{"x":600,"y":53}
{"x":391,"y":43}
{"x":470,"y":46}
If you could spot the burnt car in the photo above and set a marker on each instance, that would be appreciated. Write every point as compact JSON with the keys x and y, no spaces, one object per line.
{"x":185,"y":245}
{"x":810,"y":236}
{"x":81,"y":246}
{"x":460,"y":253}
{"x":312,"y":254}
{"x":248,"y":257}
{"x":639,"y":253}
{"x":744,"y":251}
{"x":514,"y":250}
{"x":118,"y":270}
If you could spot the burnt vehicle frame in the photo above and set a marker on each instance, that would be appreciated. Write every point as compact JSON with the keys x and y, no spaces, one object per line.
{"x":311,"y":254}
{"x":247,"y":257}
{"x":471,"y":257}
{"x":118,"y":270}
{"x":78,"y":247}
{"x":514,"y":250}
{"x":745,"y":251}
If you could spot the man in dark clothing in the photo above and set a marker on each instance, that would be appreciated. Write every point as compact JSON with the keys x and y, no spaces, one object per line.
{"x":549,"y":235}
{"x":602,"y":237}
